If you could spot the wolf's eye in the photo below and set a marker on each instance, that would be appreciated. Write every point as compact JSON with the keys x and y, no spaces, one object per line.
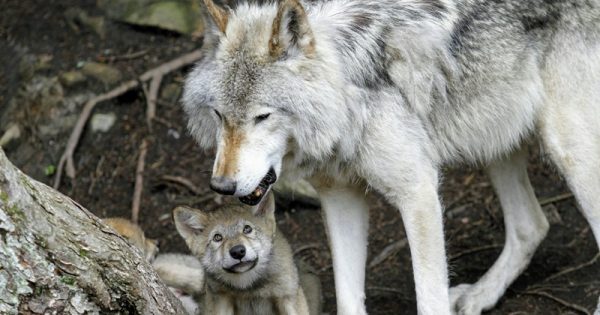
{"x":218,"y":114}
{"x":262,"y":117}
{"x":247,"y":229}
{"x":217,"y":237}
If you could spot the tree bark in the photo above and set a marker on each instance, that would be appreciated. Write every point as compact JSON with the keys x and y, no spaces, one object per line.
{"x":58,"y":258}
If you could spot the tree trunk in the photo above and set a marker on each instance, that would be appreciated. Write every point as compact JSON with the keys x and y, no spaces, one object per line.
{"x":58,"y":258}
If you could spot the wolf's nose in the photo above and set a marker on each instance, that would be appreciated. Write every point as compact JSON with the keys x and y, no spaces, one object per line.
{"x":223,"y":185}
{"x":237,"y":251}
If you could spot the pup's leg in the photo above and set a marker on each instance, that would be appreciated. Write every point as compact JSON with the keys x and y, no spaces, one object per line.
{"x":346,"y":217}
{"x":218,"y":304}
{"x":525,"y":227}
{"x":292,"y":305}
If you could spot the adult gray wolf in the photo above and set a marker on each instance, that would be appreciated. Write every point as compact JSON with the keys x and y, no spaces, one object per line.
{"x":359,"y":95}
{"x":248,"y":263}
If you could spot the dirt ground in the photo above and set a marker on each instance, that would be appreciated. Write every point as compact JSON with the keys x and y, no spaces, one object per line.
{"x":106,"y":164}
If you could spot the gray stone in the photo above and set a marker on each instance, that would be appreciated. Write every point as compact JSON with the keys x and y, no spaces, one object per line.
{"x":171,"y":92}
{"x":71,"y":78}
{"x":76,"y":17}
{"x":13,"y":132}
{"x":102,"y":72}
{"x":182,"y":16}
{"x":102,"y":122}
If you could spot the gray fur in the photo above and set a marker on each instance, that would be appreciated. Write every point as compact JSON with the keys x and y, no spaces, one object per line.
{"x":394,"y":90}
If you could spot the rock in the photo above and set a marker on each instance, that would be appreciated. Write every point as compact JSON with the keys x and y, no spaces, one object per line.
{"x":102,"y":122}
{"x":101,"y":72}
{"x":71,"y":78}
{"x":30,"y":64}
{"x":77,"y":17}
{"x":12,"y":133}
{"x":171,"y":92}
{"x":182,"y":16}
{"x":42,"y":106}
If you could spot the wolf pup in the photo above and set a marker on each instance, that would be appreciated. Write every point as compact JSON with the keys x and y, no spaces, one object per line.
{"x":249,"y":265}
{"x":135,"y":235}
{"x":379,"y":95}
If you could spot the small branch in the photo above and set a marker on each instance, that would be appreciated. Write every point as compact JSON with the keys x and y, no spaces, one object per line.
{"x":387,"y":252}
{"x":139,"y":182}
{"x":556,"y":198}
{"x":183,"y":182}
{"x":129,"y":56}
{"x":151,"y":98}
{"x":572,"y":269}
{"x":474,"y":250}
{"x":67,"y":156}
{"x":572,"y":306}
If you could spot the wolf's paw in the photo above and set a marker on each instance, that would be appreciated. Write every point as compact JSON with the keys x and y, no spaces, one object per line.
{"x":464,"y":301}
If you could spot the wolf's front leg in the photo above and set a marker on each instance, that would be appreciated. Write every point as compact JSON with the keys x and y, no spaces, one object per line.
{"x":422,"y":215}
{"x":346,"y":217}
{"x":410,"y":183}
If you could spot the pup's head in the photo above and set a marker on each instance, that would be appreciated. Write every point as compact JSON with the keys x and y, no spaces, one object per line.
{"x":261,"y":92}
{"x":233,"y":243}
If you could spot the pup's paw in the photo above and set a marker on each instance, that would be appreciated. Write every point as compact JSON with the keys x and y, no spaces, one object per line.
{"x":464,"y":301}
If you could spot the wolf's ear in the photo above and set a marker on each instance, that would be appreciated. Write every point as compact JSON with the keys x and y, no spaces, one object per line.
{"x":218,"y":14}
{"x":291,"y":30}
{"x":189,"y":222}
{"x":266,"y":208}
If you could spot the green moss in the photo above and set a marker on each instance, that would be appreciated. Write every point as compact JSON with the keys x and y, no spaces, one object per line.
{"x":4,"y":196}
{"x":83,"y":252}
{"x":14,"y":212}
{"x":68,"y":280}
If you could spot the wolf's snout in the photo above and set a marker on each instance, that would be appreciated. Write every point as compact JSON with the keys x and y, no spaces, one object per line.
{"x":223,"y":185}
{"x":237,"y":252}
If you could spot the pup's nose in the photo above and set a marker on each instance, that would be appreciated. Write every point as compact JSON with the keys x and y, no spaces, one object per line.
{"x":223,"y":185}
{"x":237,"y":252}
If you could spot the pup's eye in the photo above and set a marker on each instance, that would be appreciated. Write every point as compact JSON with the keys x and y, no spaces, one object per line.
{"x":217,"y":237}
{"x":262,"y":117}
{"x":247,"y":229}
{"x":218,"y":114}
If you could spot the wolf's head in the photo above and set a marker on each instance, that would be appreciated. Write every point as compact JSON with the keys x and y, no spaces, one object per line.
{"x":233,"y":243}
{"x":262,"y":91}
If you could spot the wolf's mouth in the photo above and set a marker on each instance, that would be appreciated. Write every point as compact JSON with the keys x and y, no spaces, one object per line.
{"x":261,"y":190}
{"x":242,"y":266}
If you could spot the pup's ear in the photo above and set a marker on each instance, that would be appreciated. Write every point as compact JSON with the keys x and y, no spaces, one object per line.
{"x":189,"y":222}
{"x":266,"y":208}
{"x":291,"y":31}
{"x":218,"y":14}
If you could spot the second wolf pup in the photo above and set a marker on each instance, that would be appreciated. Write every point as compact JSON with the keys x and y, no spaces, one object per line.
{"x":249,"y":265}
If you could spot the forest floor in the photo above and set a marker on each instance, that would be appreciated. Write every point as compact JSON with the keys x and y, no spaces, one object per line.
{"x":106,"y":168}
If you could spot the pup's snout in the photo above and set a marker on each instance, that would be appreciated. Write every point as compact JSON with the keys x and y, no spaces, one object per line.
{"x":237,"y":252}
{"x":223,"y":185}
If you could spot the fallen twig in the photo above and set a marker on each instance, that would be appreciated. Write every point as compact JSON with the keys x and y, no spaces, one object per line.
{"x":572,"y":269}
{"x":572,"y":306}
{"x":183,"y":182}
{"x":151,"y":98}
{"x":139,"y":182}
{"x":67,"y":156}
{"x":475,"y":250}
{"x":556,"y":198}
{"x":388,"y":251}
{"x":129,"y":56}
